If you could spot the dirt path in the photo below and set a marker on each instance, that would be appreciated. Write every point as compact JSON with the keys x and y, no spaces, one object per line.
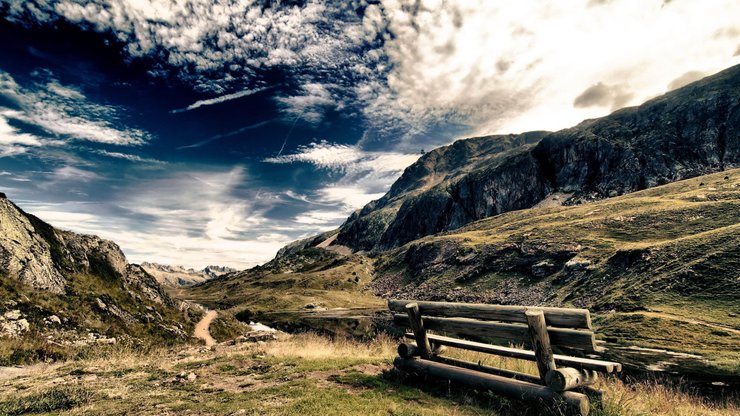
{"x":201,"y":329}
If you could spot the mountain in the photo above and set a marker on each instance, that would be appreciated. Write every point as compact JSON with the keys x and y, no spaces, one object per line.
{"x":688,"y":132}
{"x":633,"y":215}
{"x":71,"y":289}
{"x":180,"y":276}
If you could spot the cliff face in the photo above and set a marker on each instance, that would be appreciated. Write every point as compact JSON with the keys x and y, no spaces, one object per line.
{"x":40,"y":256}
{"x":688,"y":132}
{"x":64,"y":284}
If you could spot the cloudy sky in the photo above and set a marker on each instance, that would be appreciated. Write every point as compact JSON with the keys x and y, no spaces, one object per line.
{"x":201,"y":132}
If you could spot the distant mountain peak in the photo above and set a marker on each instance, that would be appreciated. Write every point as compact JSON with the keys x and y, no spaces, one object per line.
{"x":173,"y":275}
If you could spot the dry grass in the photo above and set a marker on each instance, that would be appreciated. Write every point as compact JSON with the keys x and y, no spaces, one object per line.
{"x":653,"y":398}
{"x":314,"y":347}
{"x":295,"y":373}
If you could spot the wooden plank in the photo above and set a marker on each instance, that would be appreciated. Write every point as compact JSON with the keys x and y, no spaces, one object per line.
{"x":487,"y":369}
{"x":417,"y":325}
{"x":540,"y":343}
{"x":554,"y":317}
{"x":515,"y":333}
{"x":562,"y":360}
{"x":576,"y":403}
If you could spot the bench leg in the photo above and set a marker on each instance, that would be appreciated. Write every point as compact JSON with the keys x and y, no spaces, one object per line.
{"x":541,"y":343}
{"x":417,"y":325}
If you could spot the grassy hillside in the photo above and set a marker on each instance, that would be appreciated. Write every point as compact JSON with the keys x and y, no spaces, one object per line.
{"x":83,"y":324}
{"x":661,"y":267}
{"x":283,"y":292}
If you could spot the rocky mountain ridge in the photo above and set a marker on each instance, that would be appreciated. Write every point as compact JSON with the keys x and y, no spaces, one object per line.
{"x":69,"y":286}
{"x":180,"y":276}
{"x":688,"y":132}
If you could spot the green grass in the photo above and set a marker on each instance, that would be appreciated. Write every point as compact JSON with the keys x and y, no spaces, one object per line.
{"x":56,"y":399}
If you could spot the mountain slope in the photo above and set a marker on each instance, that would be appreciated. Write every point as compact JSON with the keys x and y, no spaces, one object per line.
{"x":659,"y":267}
{"x":688,"y":132}
{"x":67,"y":289}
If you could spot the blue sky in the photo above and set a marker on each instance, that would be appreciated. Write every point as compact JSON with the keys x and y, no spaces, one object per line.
{"x":214,"y":132}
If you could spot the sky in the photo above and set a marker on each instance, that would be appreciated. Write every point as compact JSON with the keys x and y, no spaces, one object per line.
{"x":214,"y":132}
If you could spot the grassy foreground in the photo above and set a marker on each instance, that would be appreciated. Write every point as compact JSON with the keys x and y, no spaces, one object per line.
{"x":297,"y":375}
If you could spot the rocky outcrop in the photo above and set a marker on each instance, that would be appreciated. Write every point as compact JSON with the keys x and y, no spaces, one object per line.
{"x":40,"y":256}
{"x":64,"y":284}
{"x":688,"y":132}
{"x":25,"y":253}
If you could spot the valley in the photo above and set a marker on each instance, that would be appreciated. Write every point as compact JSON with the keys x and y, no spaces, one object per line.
{"x":634,"y":216}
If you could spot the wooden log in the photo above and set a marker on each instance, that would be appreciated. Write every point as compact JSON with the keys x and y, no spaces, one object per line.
{"x":515,"y":333}
{"x":555,"y":317}
{"x":417,"y":325}
{"x":407,"y":350}
{"x":564,"y":360}
{"x":437,"y":349}
{"x":487,"y":369}
{"x":567,"y":378}
{"x":540,"y":343}
{"x":575,"y":403}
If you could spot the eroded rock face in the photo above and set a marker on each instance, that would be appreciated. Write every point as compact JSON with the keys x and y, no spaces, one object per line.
{"x":24,"y":253}
{"x":40,"y":255}
{"x":688,"y":132}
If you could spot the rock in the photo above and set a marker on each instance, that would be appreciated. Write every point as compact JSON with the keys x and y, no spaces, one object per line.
{"x":576,"y":265}
{"x":106,"y":341}
{"x":53,"y":320}
{"x":13,"y":315}
{"x":101,"y":305}
{"x":316,"y":306}
{"x":543,"y":268}
{"x":185,"y":377}
{"x":14,"y":329}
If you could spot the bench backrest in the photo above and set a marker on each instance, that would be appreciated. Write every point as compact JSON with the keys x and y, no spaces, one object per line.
{"x":566,"y":327}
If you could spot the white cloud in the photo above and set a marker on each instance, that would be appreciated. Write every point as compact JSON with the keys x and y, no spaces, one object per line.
{"x":227,"y":40}
{"x":190,"y":218}
{"x":71,"y":173}
{"x":516,"y":66}
{"x":221,"y":99}
{"x":365,"y":176}
{"x":66,"y":114}
{"x":128,"y":156}
{"x":411,"y":65}
{"x":321,"y":217}
{"x":346,"y":158}
{"x":13,"y":142}
{"x":310,"y":104}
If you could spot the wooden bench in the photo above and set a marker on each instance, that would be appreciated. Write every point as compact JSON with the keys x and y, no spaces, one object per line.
{"x":540,"y":327}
